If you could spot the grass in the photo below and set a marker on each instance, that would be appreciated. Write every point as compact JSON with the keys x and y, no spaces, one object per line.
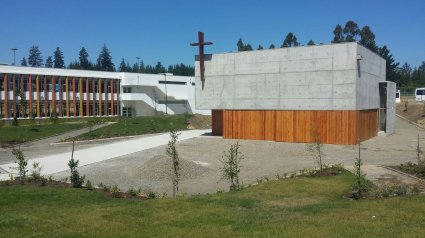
{"x":17,"y":134}
{"x":300,"y":207}
{"x":137,"y":126}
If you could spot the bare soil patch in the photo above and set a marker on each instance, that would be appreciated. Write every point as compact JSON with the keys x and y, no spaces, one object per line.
{"x":198,"y":121}
{"x":415,"y":111}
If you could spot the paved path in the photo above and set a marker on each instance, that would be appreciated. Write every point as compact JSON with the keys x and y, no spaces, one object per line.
{"x":59,"y":162}
{"x":42,"y":147}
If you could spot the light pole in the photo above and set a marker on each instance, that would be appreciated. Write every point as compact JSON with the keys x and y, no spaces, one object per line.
{"x":14,"y":54}
{"x":166,"y":94}
{"x":138,"y":64}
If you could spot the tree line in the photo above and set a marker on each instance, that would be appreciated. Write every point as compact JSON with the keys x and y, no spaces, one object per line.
{"x":404,"y":76}
{"x":103,"y":63}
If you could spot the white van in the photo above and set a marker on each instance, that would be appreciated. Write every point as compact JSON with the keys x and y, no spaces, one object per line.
{"x":420,"y":94}
{"x":397,"y":96}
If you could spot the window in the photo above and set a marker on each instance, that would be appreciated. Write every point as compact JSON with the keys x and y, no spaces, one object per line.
{"x":172,"y":82}
{"x":126,"y":90}
{"x":397,"y":95}
{"x":126,"y":111}
{"x":420,"y":92}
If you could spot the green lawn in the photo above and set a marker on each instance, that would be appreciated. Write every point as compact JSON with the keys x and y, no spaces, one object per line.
{"x":300,"y":207}
{"x":15,"y":134}
{"x":137,"y":126}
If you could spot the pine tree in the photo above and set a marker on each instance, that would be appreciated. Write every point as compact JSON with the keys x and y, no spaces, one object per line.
{"x":84,"y":59}
{"x":260,"y":47}
{"x":240,"y":44}
{"x":311,"y":42}
{"x":367,"y":38}
{"x":351,"y":31}
{"x":142,"y":68}
{"x":123,"y":66}
{"x":104,"y":61}
{"x":271,"y":46}
{"x":49,"y":62}
{"x":405,"y":73}
{"x":58,"y":61}
{"x":290,"y":41}
{"x":24,"y":62}
{"x":159,"y":68}
{"x":392,"y":74}
{"x":248,"y":47}
{"x":135,"y":68}
{"x":338,"y":34}
{"x":35,"y":59}
{"x":74,"y":65}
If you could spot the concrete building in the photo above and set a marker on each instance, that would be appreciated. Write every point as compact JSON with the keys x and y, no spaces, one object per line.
{"x":46,"y":92}
{"x":329,"y":93}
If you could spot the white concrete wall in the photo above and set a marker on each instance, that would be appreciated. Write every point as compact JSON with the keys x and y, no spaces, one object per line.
{"x":147,"y":89}
{"x":323,"y":77}
{"x":141,"y":98}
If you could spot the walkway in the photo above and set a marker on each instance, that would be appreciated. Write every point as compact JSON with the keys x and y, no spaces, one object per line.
{"x":42,"y":147}
{"x":59,"y":162}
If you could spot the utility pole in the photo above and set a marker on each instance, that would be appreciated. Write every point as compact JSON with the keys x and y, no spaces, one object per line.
{"x":166,"y":95}
{"x":138,"y":64}
{"x":14,"y":55}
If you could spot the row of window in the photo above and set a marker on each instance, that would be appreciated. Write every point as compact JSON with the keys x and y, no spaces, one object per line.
{"x":60,"y":81}
{"x":46,"y":109}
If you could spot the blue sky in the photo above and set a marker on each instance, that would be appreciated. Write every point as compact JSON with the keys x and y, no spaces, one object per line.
{"x":162,"y":30}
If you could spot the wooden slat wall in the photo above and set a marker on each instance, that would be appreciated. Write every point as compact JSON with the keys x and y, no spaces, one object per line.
{"x":368,"y":121}
{"x":330,"y":127}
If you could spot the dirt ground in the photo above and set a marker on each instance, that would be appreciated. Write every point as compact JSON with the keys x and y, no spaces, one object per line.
{"x":415,"y":111}
{"x":199,"y":121}
{"x":149,"y":169}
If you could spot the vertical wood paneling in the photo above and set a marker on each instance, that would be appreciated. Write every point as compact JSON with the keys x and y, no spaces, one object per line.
{"x":330,"y":127}
{"x":270,"y":125}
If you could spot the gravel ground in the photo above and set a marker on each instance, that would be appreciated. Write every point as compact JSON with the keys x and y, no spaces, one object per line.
{"x":149,"y":169}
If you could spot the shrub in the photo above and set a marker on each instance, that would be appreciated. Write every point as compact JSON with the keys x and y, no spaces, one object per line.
{"x":44,"y":181}
{"x":132,"y":192}
{"x":316,"y":150}
{"x":36,"y":171}
{"x":174,"y":155}
{"x":89,"y":185}
{"x":151,"y":195}
{"x":361,"y":185}
{"x":106,"y":188}
{"x":231,"y":166}
{"x":22,"y":164}
{"x":76,"y":180}
{"x":116,"y":192}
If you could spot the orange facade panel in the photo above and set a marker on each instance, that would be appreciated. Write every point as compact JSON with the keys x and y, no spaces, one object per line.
{"x":330,"y":127}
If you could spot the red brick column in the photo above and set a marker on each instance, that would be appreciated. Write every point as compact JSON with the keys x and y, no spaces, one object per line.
{"x":112,"y":97}
{"x":6,"y":96}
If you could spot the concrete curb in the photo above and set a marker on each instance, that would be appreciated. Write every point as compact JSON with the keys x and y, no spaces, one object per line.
{"x":106,"y":139}
{"x":403,"y":173}
{"x":411,"y":122}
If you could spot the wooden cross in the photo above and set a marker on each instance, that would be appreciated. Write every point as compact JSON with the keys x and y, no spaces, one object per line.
{"x":201,"y":44}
